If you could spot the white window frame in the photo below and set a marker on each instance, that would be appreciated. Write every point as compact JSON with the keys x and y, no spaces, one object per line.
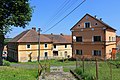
{"x":45,"y":44}
{"x":55,"y":45}
{"x":27,"y":46}
{"x":96,"y":50}
{"x":93,"y":38}
{"x":87,"y":22}
{"x":45,"y":52}
{"x":66,"y":46}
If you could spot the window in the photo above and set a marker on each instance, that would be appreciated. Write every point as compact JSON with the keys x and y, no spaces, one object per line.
{"x":28,"y":46}
{"x":54,"y":46}
{"x":79,"y":52}
{"x":55,"y":53}
{"x":45,"y":45}
{"x":110,"y":51}
{"x":46,"y":54}
{"x":109,"y":38}
{"x":96,"y":24}
{"x":97,"y":38}
{"x":97,"y":52}
{"x":65,"y":45}
{"x":79,"y":39}
{"x":78,"y":25}
{"x":87,"y":24}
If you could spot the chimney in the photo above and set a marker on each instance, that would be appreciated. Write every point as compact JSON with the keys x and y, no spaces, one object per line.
{"x":34,"y":28}
{"x":61,"y":34}
{"x":100,"y":19}
{"x":51,"y":33}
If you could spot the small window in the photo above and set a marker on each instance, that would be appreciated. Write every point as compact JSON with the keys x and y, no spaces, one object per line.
{"x":45,"y":45}
{"x":79,"y":39}
{"x":54,"y":46}
{"x":87,"y":24}
{"x":28,"y":46}
{"x":109,"y":38}
{"x":97,"y":38}
{"x":65,"y":45}
{"x":46,"y":54}
{"x":78,"y":25}
{"x":96,"y":24}
{"x":97,"y":52}
{"x":112,"y":38}
{"x":79,"y":52}
{"x":110,"y":51}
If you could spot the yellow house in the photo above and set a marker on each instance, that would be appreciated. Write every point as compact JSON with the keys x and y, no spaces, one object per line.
{"x":24,"y":47}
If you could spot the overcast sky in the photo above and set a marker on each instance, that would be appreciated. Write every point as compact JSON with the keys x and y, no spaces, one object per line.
{"x":48,"y":12}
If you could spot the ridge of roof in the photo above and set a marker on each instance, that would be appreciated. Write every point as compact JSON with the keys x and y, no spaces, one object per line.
{"x":95,"y":19}
{"x":32,"y":36}
{"x":19,"y":36}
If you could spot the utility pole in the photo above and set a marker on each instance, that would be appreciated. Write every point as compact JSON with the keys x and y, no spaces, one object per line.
{"x":39,"y":65}
{"x":39,"y":29}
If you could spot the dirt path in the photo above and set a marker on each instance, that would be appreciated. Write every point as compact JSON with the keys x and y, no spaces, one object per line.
{"x":57,"y":73}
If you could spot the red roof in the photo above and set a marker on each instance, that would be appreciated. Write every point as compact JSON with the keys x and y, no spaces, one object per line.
{"x":32,"y":36}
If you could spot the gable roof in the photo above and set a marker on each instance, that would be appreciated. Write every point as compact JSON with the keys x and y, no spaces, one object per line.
{"x":95,"y":19}
{"x":32,"y":36}
{"x":57,"y":39}
{"x":29,"y":36}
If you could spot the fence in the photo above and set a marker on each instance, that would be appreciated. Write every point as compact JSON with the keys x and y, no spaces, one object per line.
{"x":97,"y":69}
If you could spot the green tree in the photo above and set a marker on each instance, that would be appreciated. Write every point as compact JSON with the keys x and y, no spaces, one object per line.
{"x":16,"y":13}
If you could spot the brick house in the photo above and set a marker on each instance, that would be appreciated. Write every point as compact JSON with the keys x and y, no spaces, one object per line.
{"x":118,"y":43}
{"x":91,"y":37}
{"x":24,"y":47}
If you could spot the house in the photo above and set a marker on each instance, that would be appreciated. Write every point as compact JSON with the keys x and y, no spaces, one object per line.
{"x":118,"y":43}
{"x":24,"y":47}
{"x":91,"y":38}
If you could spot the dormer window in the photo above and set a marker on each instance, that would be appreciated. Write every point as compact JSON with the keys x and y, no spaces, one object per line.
{"x":87,"y":24}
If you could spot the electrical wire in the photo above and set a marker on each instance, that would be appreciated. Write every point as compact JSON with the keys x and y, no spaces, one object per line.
{"x":64,"y":16}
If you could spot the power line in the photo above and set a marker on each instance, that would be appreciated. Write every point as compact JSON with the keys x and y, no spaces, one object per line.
{"x":64,"y":17}
{"x":60,"y":9}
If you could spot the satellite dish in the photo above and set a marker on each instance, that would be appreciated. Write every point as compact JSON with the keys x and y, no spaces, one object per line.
{"x":74,"y":37}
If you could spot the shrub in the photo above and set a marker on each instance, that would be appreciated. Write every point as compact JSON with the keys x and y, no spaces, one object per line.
{"x":6,"y":63}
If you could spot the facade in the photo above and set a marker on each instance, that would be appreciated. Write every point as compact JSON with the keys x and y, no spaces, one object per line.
{"x":24,"y":47}
{"x":118,"y":43}
{"x":91,"y":37}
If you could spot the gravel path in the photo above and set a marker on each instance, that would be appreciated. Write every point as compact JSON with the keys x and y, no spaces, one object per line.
{"x":57,"y":74}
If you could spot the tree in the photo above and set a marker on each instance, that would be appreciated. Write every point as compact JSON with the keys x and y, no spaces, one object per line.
{"x":16,"y":13}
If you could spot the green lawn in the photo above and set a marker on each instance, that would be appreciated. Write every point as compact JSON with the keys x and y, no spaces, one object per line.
{"x":29,"y":70}
{"x":12,"y":73}
{"x":103,"y":70}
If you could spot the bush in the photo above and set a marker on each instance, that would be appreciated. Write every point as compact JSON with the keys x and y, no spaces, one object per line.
{"x":6,"y":63}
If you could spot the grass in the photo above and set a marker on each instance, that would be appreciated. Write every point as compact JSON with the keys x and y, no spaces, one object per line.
{"x":103,"y":70}
{"x":12,"y":73}
{"x":28,"y":70}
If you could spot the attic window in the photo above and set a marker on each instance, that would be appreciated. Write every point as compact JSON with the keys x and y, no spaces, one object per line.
{"x":78,"y":25}
{"x":28,"y":46}
{"x":87,"y":24}
{"x":96,"y":24}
